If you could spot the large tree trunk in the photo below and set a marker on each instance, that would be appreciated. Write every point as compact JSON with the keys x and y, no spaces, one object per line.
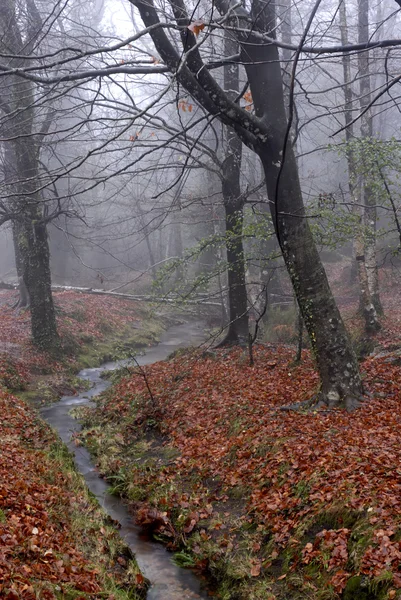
{"x":32,"y":250}
{"x":335,"y":358}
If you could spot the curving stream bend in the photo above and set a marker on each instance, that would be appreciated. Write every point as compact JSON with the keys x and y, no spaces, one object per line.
{"x":168,"y":581}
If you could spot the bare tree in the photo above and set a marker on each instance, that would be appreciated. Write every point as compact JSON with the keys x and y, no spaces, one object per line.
{"x":266,"y":133}
{"x":24,"y":205}
{"x":368,"y":197}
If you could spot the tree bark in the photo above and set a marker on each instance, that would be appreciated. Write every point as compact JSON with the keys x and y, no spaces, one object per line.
{"x":33,"y":248}
{"x":30,"y":231}
{"x":356,"y":189}
{"x":238,"y":326}
{"x":370,"y":216}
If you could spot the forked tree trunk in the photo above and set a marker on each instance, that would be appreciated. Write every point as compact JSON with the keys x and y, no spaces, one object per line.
{"x":335,"y":358}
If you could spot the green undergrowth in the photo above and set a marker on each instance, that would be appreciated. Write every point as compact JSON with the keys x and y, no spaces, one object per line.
{"x":120,"y":344}
{"x":47,"y":389}
{"x":97,"y":533}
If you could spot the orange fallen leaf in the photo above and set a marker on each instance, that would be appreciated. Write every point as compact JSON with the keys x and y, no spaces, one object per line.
{"x":255,"y":570}
{"x":196,"y":27}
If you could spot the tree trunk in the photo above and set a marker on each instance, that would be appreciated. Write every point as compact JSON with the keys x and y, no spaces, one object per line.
{"x":335,"y":358}
{"x":238,"y":326}
{"x":32,"y":250}
{"x":356,"y":189}
{"x":370,"y":216}
{"x":33,"y":245}
{"x":146,"y":233}
{"x":23,"y":301}
{"x":286,"y":37}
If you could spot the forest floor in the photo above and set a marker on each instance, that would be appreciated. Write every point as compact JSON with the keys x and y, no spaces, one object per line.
{"x":55,"y":541}
{"x":270,"y":504}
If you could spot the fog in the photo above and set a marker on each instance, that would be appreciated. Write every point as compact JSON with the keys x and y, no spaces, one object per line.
{"x":126,"y":166}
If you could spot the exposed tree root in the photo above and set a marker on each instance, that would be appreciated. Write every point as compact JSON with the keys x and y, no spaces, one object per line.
{"x":298,"y":406}
{"x":323,"y":403}
{"x":230,"y":341}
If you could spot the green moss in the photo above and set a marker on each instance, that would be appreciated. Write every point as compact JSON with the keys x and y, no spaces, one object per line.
{"x":123,"y":344}
{"x":302,"y":489}
{"x":359,"y":541}
{"x":357,"y":589}
{"x":99,"y":539}
{"x":183,"y":559}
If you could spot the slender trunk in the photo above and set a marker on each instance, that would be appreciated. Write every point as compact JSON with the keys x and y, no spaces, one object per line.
{"x":23,"y":301}
{"x":238,"y":327}
{"x":146,"y":233}
{"x":335,"y":357}
{"x":356,"y":188}
{"x":370,"y":216}
{"x":10,"y":177}
{"x":176,"y":247}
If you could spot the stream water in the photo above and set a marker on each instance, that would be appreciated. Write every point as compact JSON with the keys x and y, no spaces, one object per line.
{"x":168,"y":581}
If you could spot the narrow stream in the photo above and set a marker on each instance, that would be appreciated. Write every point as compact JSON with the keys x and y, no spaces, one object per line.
{"x":168,"y":582}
